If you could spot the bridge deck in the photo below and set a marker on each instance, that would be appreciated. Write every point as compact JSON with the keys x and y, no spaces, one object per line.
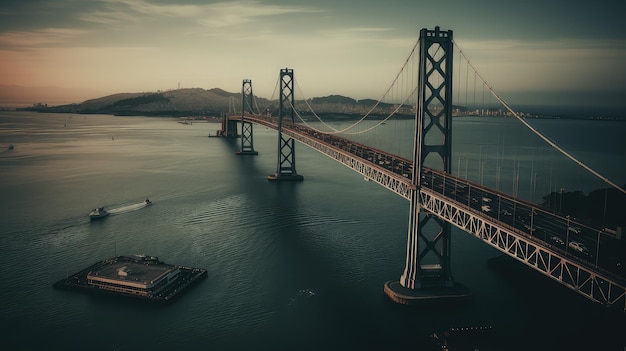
{"x":549,"y":242}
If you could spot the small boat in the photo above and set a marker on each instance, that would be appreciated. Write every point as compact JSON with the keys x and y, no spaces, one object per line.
{"x":148,"y":202}
{"x":98,"y":213}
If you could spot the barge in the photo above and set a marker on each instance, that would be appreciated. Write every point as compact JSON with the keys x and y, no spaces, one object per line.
{"x":138,"y":276}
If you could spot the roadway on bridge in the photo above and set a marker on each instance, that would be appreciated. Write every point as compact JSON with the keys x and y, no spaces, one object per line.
{"x":566,"y":236}
{"x":562,"y":234}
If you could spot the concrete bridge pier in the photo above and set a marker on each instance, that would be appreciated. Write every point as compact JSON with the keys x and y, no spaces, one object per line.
{"x":229,"y":128}
{"x":427,"y":277}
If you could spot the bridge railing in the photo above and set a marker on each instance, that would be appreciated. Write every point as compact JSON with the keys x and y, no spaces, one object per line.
{"x":525,"y":248}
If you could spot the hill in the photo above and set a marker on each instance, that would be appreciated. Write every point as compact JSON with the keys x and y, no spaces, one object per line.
{"x":180,"y":102}
{"x":198,"y":101}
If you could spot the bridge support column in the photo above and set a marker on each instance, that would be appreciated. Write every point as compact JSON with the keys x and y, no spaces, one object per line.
{"x":247,"y":144}
{"x":229,"y":128}
{"x":286,"y":168}
{"x":427,"y":275}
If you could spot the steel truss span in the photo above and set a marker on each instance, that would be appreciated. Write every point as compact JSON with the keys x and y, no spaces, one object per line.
{"x":392,"y":181}
{"x":369,"y":170}
{"x":526,"y":250}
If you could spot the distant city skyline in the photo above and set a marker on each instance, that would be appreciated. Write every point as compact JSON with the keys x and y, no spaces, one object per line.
{"x":528,"y":51}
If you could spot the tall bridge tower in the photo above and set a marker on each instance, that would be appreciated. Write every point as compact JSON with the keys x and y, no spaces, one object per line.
{"x":286,"y":167}
{"x":427,"y":274}
{"x":247,"y":103}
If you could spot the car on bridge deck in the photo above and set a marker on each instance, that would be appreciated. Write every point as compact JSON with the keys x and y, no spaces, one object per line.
{"x":574,"y":230}
{"x":557,"y":240}
{"x":486,"y":208}
{"x":578,"y":247}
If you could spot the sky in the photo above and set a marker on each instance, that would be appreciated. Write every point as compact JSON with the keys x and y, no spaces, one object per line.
{"x":533,"y":49}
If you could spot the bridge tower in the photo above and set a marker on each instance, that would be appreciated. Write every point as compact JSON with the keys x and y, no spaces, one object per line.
{"x":286,"y":168}
{"x":229,"y":126}
{"x":247,"y":103}
{"x":427,"y":274}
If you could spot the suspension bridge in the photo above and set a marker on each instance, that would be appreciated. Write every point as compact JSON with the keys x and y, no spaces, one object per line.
{"x":576,"y":253}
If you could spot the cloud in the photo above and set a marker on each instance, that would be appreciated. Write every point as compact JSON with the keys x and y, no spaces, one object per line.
{"x":147,"y":8}
{"x":555,"y":65}
{"x":39,"y":38}
{"x":548,"y":49}
{"x":213,"y":15}
{"x":369,"y":29}
{"x":108,"y":18}
{"x":234,"y":13}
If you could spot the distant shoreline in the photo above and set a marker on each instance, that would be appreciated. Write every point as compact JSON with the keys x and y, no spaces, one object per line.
{"x":194,"y":102}
{"x":309,"y":117}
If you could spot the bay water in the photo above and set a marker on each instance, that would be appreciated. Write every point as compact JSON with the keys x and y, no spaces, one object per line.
{"x":291,"y":266}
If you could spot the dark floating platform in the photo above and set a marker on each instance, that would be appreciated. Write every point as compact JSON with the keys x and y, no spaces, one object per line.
{"x":285,"y":177}
{"x":139,"y":276}
{"x":428,"y":295}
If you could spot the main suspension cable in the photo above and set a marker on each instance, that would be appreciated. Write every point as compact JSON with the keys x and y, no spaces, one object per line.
{"x":537,"y":132}
{"x":336,"y":131}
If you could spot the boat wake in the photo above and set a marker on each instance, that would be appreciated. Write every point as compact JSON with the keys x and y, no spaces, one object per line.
{"x":129,"y":208}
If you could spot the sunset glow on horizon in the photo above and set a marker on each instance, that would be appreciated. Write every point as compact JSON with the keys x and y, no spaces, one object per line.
{"x":347,"y":48}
